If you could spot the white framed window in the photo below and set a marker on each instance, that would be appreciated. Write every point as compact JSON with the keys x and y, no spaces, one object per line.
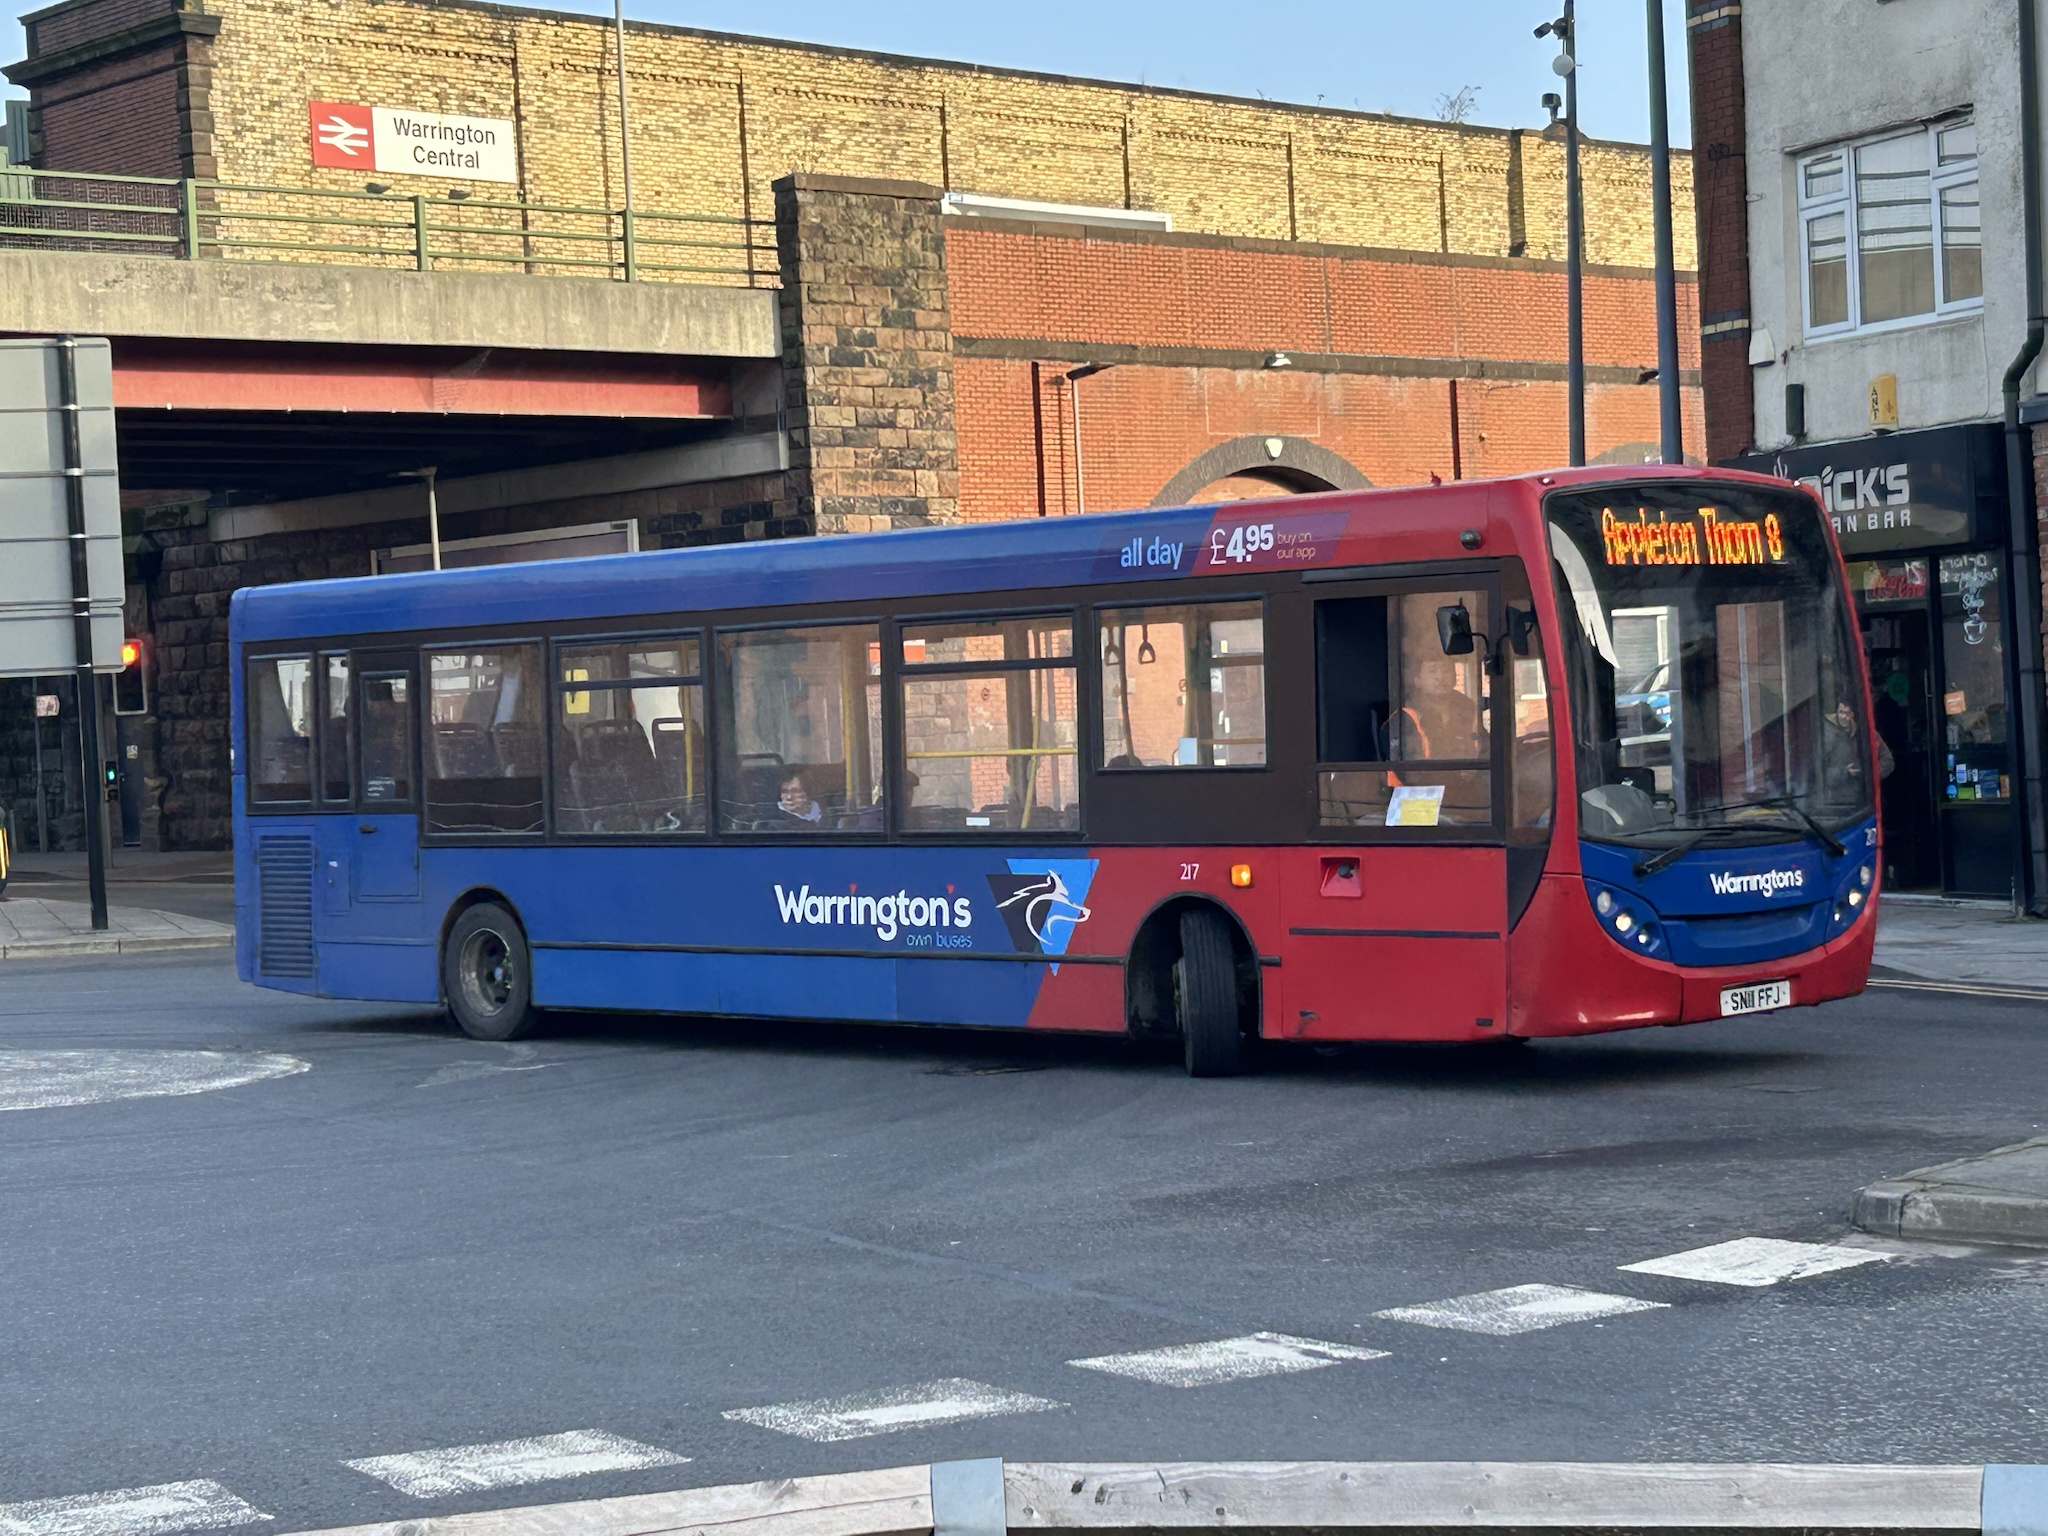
{"x":1888,"y":230}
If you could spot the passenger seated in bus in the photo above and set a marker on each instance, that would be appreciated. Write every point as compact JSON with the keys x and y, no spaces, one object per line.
{"x":795,"y":802}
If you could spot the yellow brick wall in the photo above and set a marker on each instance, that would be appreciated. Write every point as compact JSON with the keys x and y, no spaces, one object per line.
{"x":703,"y":105}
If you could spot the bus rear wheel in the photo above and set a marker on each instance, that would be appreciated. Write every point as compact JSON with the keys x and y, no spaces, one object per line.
{"x":487,"y":974}
{"x":1205,"y":997}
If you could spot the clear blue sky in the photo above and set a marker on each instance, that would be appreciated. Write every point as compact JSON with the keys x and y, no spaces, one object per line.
{"x":1378,"y":55}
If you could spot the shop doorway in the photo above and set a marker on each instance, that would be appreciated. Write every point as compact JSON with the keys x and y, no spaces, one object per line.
{"x":1901,"y":654}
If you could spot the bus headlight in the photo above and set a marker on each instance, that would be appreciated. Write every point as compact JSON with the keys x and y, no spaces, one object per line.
{"x":1855,"y":888}
{"x":1629,"y":920}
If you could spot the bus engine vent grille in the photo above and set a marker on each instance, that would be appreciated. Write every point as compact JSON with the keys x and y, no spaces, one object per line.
{"x":284,"y":906}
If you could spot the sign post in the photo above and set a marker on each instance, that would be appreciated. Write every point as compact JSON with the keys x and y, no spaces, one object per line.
{"x":60,"y":520}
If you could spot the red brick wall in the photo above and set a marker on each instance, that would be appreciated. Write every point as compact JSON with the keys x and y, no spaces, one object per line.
{"x":1721,"y":187}
{"x":1378,"y":340}
{"x":119,"y":116}
{"x":1195,"y":291}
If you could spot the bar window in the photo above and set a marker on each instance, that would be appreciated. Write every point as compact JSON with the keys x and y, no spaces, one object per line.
{"x":989,"y":726}
{"x":278,"y":700}
{"x":1404,"y":730}
{"x":334,"y":729}
{"x":800,"y":730}
{"x":384,"y":738}
{"x":484,"y":739}
{"x":1184,"y":686}
{"x":629,"y":737}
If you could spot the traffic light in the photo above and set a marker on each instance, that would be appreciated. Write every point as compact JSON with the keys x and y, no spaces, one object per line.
{"x":131,"y":683}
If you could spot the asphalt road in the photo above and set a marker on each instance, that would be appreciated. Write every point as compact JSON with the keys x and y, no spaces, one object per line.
{"x":388,"y":1239}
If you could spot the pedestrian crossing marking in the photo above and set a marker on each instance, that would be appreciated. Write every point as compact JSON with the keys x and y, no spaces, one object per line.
{"x":1203,"y":1365}
{"x":1518,"y":1309}
{"x":927,"y":1405}
{"x":1755,"y":1261}
{"x":511,"y":1463}
{"x":200,"y":1505}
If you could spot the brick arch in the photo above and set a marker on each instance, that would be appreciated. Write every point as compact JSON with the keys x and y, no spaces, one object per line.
{"x":1300,"y":464}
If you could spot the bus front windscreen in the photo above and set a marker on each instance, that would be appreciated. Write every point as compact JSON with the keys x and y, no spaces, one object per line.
{"x":1713,"y":689}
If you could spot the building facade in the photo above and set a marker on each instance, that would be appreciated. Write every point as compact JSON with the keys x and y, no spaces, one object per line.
{"x":1863,"y":294}
{"x":997,"y":295}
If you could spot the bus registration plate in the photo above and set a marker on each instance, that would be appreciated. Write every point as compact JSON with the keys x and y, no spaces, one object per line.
{"x":1757,"y":997}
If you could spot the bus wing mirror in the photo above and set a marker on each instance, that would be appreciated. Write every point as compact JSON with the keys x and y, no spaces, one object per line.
{"x":1454,"y":629}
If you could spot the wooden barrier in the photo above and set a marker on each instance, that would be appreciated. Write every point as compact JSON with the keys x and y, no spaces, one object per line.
{"x":1290,"y":1499}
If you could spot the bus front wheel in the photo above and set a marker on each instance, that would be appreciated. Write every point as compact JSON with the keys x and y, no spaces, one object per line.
{"x":1205,"y":997}
{"x":487,"y":974}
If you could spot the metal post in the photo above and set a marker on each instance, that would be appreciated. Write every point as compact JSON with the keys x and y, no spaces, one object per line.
{"x":1074,"y":377}
{"x":433,"y":515}
{"x":1671,"y":422}
{"x":1574,"y":236}
{"x":625,"y":141}
{"x":1074,"y":416}
{"x":188,"y":206}
{"x":42,"y":805}
{"x":421,"y":256}
{"x":2029,"y":729}
{"x":632,"y":256}
{"x":81,"y":633}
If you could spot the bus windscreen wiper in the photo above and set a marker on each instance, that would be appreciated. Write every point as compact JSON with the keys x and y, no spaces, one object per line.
{"x":1664,"y":857}
{"x":1828,"y":840}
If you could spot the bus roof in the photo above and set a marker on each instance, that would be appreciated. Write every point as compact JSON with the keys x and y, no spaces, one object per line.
{"x":1333,"y":528}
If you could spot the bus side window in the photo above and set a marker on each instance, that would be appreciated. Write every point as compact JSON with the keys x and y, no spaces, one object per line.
{"x":629,"y":737}
{"x":484,"y":739}
{"x":384,"y":739}
{"x":1184,"y":686}
{"x":800,"y":729}
{"x":1532,"y":785}
{"x":989,"y":717}
{"x":335,"y":717}
{"x":1404,"y":730}
{"x":278,"y":702}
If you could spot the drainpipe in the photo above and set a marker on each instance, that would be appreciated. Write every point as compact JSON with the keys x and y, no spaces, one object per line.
{"x":2024,"y":564}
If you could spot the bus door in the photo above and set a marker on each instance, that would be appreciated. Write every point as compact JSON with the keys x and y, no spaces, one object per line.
{"x":383,"y":836}
{"x":1397,"y":915}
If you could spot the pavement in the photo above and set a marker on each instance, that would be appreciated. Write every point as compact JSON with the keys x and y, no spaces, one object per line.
{"x":333,"y":1263}
{"x":2000,"y":1195}
{"x":1977,"y":944}
{"x":155,"y":902}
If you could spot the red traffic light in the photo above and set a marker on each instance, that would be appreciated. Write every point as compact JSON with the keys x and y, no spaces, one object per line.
{"x":131,"y":652}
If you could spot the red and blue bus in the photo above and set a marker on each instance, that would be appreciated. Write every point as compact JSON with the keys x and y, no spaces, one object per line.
{"x":1543,"y":756}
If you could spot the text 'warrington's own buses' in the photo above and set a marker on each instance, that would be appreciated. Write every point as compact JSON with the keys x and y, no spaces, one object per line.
{"x":1545,"y":756}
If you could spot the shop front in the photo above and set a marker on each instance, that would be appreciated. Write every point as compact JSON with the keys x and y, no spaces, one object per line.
{"x":1922,"y":521}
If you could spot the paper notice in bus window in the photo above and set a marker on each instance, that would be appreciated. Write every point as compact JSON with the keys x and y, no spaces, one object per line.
{"x":1415,"y":805}
{"x":1954,"y":702}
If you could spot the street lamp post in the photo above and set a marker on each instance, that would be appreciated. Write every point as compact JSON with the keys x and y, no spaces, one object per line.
{"x":1074,"y":377}
{"x":1672,"y":434}
{"x":625,"y":142}
{"x":433,"y":507}
{"x":1566,"y":31}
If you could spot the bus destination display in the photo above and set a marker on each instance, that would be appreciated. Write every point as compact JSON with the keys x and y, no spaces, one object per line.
{"x":1709,"y":536}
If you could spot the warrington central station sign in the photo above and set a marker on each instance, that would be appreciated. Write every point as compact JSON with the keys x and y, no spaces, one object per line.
{"x":393,"y":141}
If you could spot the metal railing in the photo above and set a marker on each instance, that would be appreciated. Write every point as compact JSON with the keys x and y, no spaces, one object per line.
{"x":232,"y":221}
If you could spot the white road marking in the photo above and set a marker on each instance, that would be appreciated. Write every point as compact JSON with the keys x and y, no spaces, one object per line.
{"x":1755,"y":1261}
{"x":511,"y":1463}
{"x":924,"y":1406}
{"x":1202,"y":1365}
{"x":1518,"y":1309}
{"x":157,"y":1511}
{"x":35,"y":1079}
